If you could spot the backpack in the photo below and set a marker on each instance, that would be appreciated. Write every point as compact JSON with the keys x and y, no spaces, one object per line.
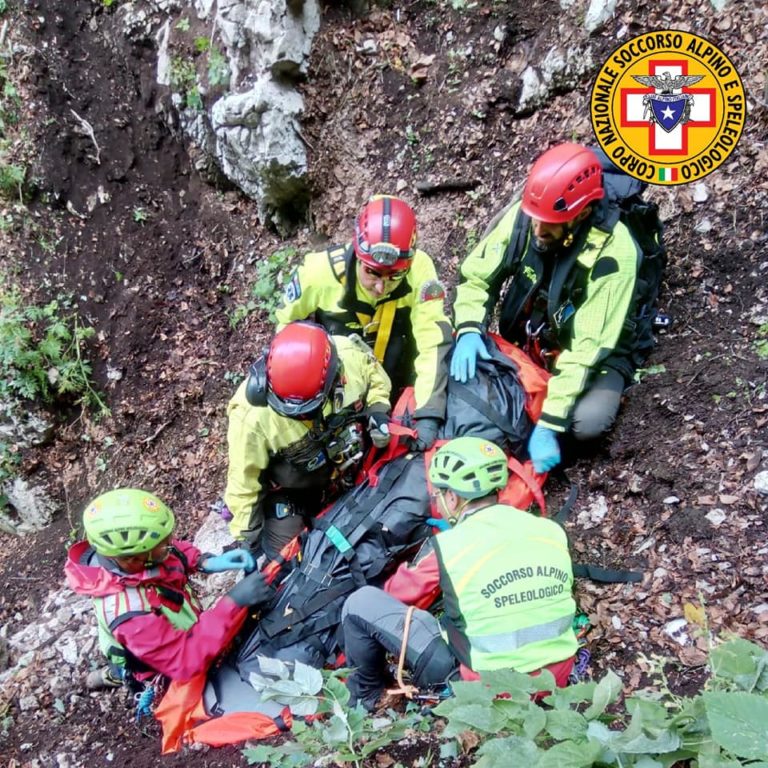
{"x":624,"y":202}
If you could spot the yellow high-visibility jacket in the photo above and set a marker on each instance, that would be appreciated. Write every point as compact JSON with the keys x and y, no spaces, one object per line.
{"x":257,"y":436}
{"x":408,"y":330}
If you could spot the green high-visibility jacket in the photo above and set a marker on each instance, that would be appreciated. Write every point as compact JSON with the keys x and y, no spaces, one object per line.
{"x":590,"y":302}
{"x":507,"y":578}
{"x":408,"y":329}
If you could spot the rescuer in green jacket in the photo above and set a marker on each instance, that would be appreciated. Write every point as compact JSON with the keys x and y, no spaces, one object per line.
{"x":297,"y":431}
{"x":569,"y":302}
{"x":384,"y":289}
{"x":506,"y":579}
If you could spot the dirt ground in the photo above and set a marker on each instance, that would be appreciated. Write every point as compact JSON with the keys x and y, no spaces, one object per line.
{"x":160,"y":289}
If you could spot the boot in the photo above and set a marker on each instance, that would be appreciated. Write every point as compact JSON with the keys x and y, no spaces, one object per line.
{"x":105,"y":677}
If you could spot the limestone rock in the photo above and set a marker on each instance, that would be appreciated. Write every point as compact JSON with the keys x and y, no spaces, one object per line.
{"x":249,"y":131}
{"x":32,"y":505}
{"x":258,"y":147}
{"x":598,"y":13}
{"x":559,"y":70}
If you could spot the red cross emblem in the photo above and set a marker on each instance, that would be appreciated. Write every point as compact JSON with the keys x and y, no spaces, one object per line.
{"x":700,"y":103}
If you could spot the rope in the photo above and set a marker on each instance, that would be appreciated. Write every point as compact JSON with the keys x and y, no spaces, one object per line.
{"x":404,"y":689}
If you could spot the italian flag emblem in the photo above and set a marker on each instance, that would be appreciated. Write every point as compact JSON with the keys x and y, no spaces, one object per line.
{"x":667,"y":174}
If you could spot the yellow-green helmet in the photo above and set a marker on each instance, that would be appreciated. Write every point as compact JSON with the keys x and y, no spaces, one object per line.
{"x":126,"y":521}
{"x":469,"y":466}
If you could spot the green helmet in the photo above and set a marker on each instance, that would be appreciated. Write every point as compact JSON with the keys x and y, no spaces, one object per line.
{"x":470,"y":467}
{"x":126,"y":522}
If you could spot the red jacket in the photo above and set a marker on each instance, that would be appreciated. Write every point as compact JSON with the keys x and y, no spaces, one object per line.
{"x":176,"y":653}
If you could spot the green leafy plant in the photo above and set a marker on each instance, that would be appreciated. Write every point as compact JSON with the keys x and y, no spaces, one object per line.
{"x":218,"y":69}
{"x":41,"y":353}
{"x":12,"y":177}
{"x":339,"y":733}
{"x":184,"y":81}
{"x":182,"y":24}
{"x":140,"y":215}
{"x":651,"y":370}
{"x":266,"y":291}
{"x":587,"y":724}
{"x":761,"y":342}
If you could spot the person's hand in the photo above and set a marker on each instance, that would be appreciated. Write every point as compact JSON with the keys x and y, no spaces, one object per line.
{"x":234,"y":560}
{"x":378,"y":428}
{"x":543,"y":449}
{"x":468,"y":348}
{"x":252,"y":590}
{"x":426,"y":434}
{"x":439,"y":523}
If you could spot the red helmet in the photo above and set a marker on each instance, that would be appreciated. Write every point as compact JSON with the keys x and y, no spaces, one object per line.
{"x":302,"y":368}
{"x":562,"y":181}
{"x":385,"y":234}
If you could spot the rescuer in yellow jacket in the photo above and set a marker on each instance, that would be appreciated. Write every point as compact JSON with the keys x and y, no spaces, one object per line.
{"x":382,"y":288}
{"x":505,"y":575}
{"x":570,"y":297}
{"x":299,"y":426}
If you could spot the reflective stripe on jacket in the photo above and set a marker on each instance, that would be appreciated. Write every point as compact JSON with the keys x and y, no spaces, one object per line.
{"x":113,"y":610}
{"x":153,"y":614}
{"x":418,"y":334}
{"x":590,"y":298}
{"x":506,"y":577}
{"x":256,"y":435}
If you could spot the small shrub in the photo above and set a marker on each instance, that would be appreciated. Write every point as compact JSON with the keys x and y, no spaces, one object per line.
{"x":270,"y":276}
{"x":12,"y":178}
{"x":184,"y":81}
{"x":218,"y":69}
{"x":41,"y":356}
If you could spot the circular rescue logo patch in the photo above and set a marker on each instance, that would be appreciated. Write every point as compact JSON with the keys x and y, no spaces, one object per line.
{"x":668,"y":107}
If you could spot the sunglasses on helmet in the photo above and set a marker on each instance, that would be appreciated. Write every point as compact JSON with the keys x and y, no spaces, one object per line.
{"x":390,"y":277}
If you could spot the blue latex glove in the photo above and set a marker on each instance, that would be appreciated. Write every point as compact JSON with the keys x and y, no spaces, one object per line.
{"x":234,"y":560}
{"x":543,"y":449}
{"x":439,"y":523}
{"x":468,"y":348}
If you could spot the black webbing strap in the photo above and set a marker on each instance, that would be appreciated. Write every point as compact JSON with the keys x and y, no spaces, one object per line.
{"x":272,"y":628}
{"x":123,"y":617}
{"x":584,"y":570}
{"x":363,"y":505}
{"x":605,"y":575}
{"x":573,"y":494}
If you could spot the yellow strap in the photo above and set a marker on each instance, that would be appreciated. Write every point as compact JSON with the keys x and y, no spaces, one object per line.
{"x":380,"y":324}
{"x":386,"y":316}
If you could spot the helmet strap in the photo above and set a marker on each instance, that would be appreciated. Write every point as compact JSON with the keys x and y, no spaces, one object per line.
{"x":452,"y":517}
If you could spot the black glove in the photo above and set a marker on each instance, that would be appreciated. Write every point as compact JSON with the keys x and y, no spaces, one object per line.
{"x":427,"y":429}
{"x":378,"y":428}
{"x":252,"y":590}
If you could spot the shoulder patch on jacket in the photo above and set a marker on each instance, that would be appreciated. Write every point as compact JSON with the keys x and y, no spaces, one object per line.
{"x":431,"y":290}
{"x":338,"y":262}
{"x":292,"y":290}
{"x":604,"y":267}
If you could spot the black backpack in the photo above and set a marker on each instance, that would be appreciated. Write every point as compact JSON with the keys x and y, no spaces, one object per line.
{"x":624,"y":202}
